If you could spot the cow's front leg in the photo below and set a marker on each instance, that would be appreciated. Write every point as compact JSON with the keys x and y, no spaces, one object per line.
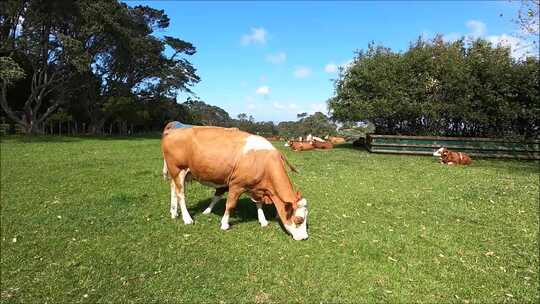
{"x":260,"y":215}
{"x":179,"y":183}
{"x":232,"y":198}
{"x":217,"y":196}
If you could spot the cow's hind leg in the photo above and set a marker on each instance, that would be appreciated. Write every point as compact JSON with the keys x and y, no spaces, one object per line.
{"x":232,"y":198}
{"x":217,"y":196}
{"x":174,"y":201}
{"x":179,"y":183}
{"x":260,"y":215}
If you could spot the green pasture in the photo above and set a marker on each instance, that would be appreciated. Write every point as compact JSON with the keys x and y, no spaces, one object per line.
{"x":87,"y":220}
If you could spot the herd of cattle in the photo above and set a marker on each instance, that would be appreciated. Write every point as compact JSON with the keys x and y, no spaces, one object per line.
{"x":314,"y":142}
{"x":237,"y":162}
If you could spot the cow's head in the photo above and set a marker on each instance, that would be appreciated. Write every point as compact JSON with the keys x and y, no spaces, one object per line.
{"x":439,"y":151}
{"x":445,"y":153}
{"x":296,"y":221}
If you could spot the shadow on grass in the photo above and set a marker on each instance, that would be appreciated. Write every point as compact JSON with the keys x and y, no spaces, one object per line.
{"x":245,"y":211}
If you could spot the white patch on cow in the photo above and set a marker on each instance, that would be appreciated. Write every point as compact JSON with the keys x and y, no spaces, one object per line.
{"x":225,"y":221}
{"x":301,"y":208}
{"x":260,"y":215}
{"x":165,"y":171}
{"x":185,"y":213}
{"x":174,"y":201}
{"x":255,"y":143}
{"x":299,"y":232}
{"x":438,"y":152}
{"x":214,"y":201}
{"x":181,"y":198}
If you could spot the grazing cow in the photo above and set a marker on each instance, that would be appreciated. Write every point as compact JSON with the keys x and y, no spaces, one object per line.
{"x":322,"y":145}
{"x":237,"y":162}
{"x":336,"y":140}
{"x":300,"y":145}
{"x":452,"y":158}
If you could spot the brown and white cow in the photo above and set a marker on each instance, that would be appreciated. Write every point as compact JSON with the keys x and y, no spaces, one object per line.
{"x":237,"y":162}
{"x":322,"y":145}
{"x":452,"y":158}
{"x":300,"y":145}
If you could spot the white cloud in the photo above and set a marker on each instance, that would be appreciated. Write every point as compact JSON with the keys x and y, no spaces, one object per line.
{"x":302,"y":72}
{"x":317,"y":107}
{"x":451,"y":37}
{"x":256,"y":36}
{"x":263,"y":90}
{"x":250,"y":106}
{"x":331,"y":68}
{"x":477,"y":28}
{"x":519,"y":48}
{"x":278,"y":105}
{"x":276,"y":58}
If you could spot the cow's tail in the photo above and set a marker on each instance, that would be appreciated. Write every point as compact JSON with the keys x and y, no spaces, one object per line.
{"x":293,"y":169}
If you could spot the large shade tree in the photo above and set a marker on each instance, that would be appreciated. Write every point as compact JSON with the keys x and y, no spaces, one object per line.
{"x":87,"y":52}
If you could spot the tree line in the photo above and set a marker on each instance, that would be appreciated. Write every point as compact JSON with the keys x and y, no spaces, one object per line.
{"x":441,"y":88}
{"x":97,"y":67}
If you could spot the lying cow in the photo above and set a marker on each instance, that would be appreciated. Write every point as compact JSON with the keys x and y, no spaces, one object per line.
{"x":336,"y":140}
{"x":237,"y":162}
{"x":322,"y":145}
{"x":300,"y":145}
{"x":452,"y":158}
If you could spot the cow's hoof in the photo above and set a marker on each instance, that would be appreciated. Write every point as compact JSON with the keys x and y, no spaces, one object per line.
{"x":188,"y":221}
{"x":207,"y":211}
{"x":264,"y":224}
{"x":174,"y":216}
{"x":225,"y":226}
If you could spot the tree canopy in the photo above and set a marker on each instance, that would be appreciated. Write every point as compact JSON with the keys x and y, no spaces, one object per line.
{"x":441,"y":88}
{"x":92,"y":57}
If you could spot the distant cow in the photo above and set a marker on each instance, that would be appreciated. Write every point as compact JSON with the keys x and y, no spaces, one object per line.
{"x":452,"y":158}
{"x":237,"y":162}
{"x":322,"y":145}
{"x":300,"y":145}
{"x":336,"y":140}
{"x":272,"y":138}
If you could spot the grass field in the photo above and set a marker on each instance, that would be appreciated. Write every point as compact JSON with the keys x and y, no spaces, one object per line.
{"x":87,"y":220}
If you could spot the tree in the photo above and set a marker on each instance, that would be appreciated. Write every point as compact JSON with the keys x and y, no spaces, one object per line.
{"x":208,"y":115}
{"x":37,"y":31}
{"x":106,"y":46}
{"x":440,"y":88}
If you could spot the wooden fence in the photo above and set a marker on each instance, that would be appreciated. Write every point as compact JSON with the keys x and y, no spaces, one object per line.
{"x":478,"y":147}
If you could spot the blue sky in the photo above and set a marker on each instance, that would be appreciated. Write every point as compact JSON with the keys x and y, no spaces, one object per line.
{"x":275,"y":59}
